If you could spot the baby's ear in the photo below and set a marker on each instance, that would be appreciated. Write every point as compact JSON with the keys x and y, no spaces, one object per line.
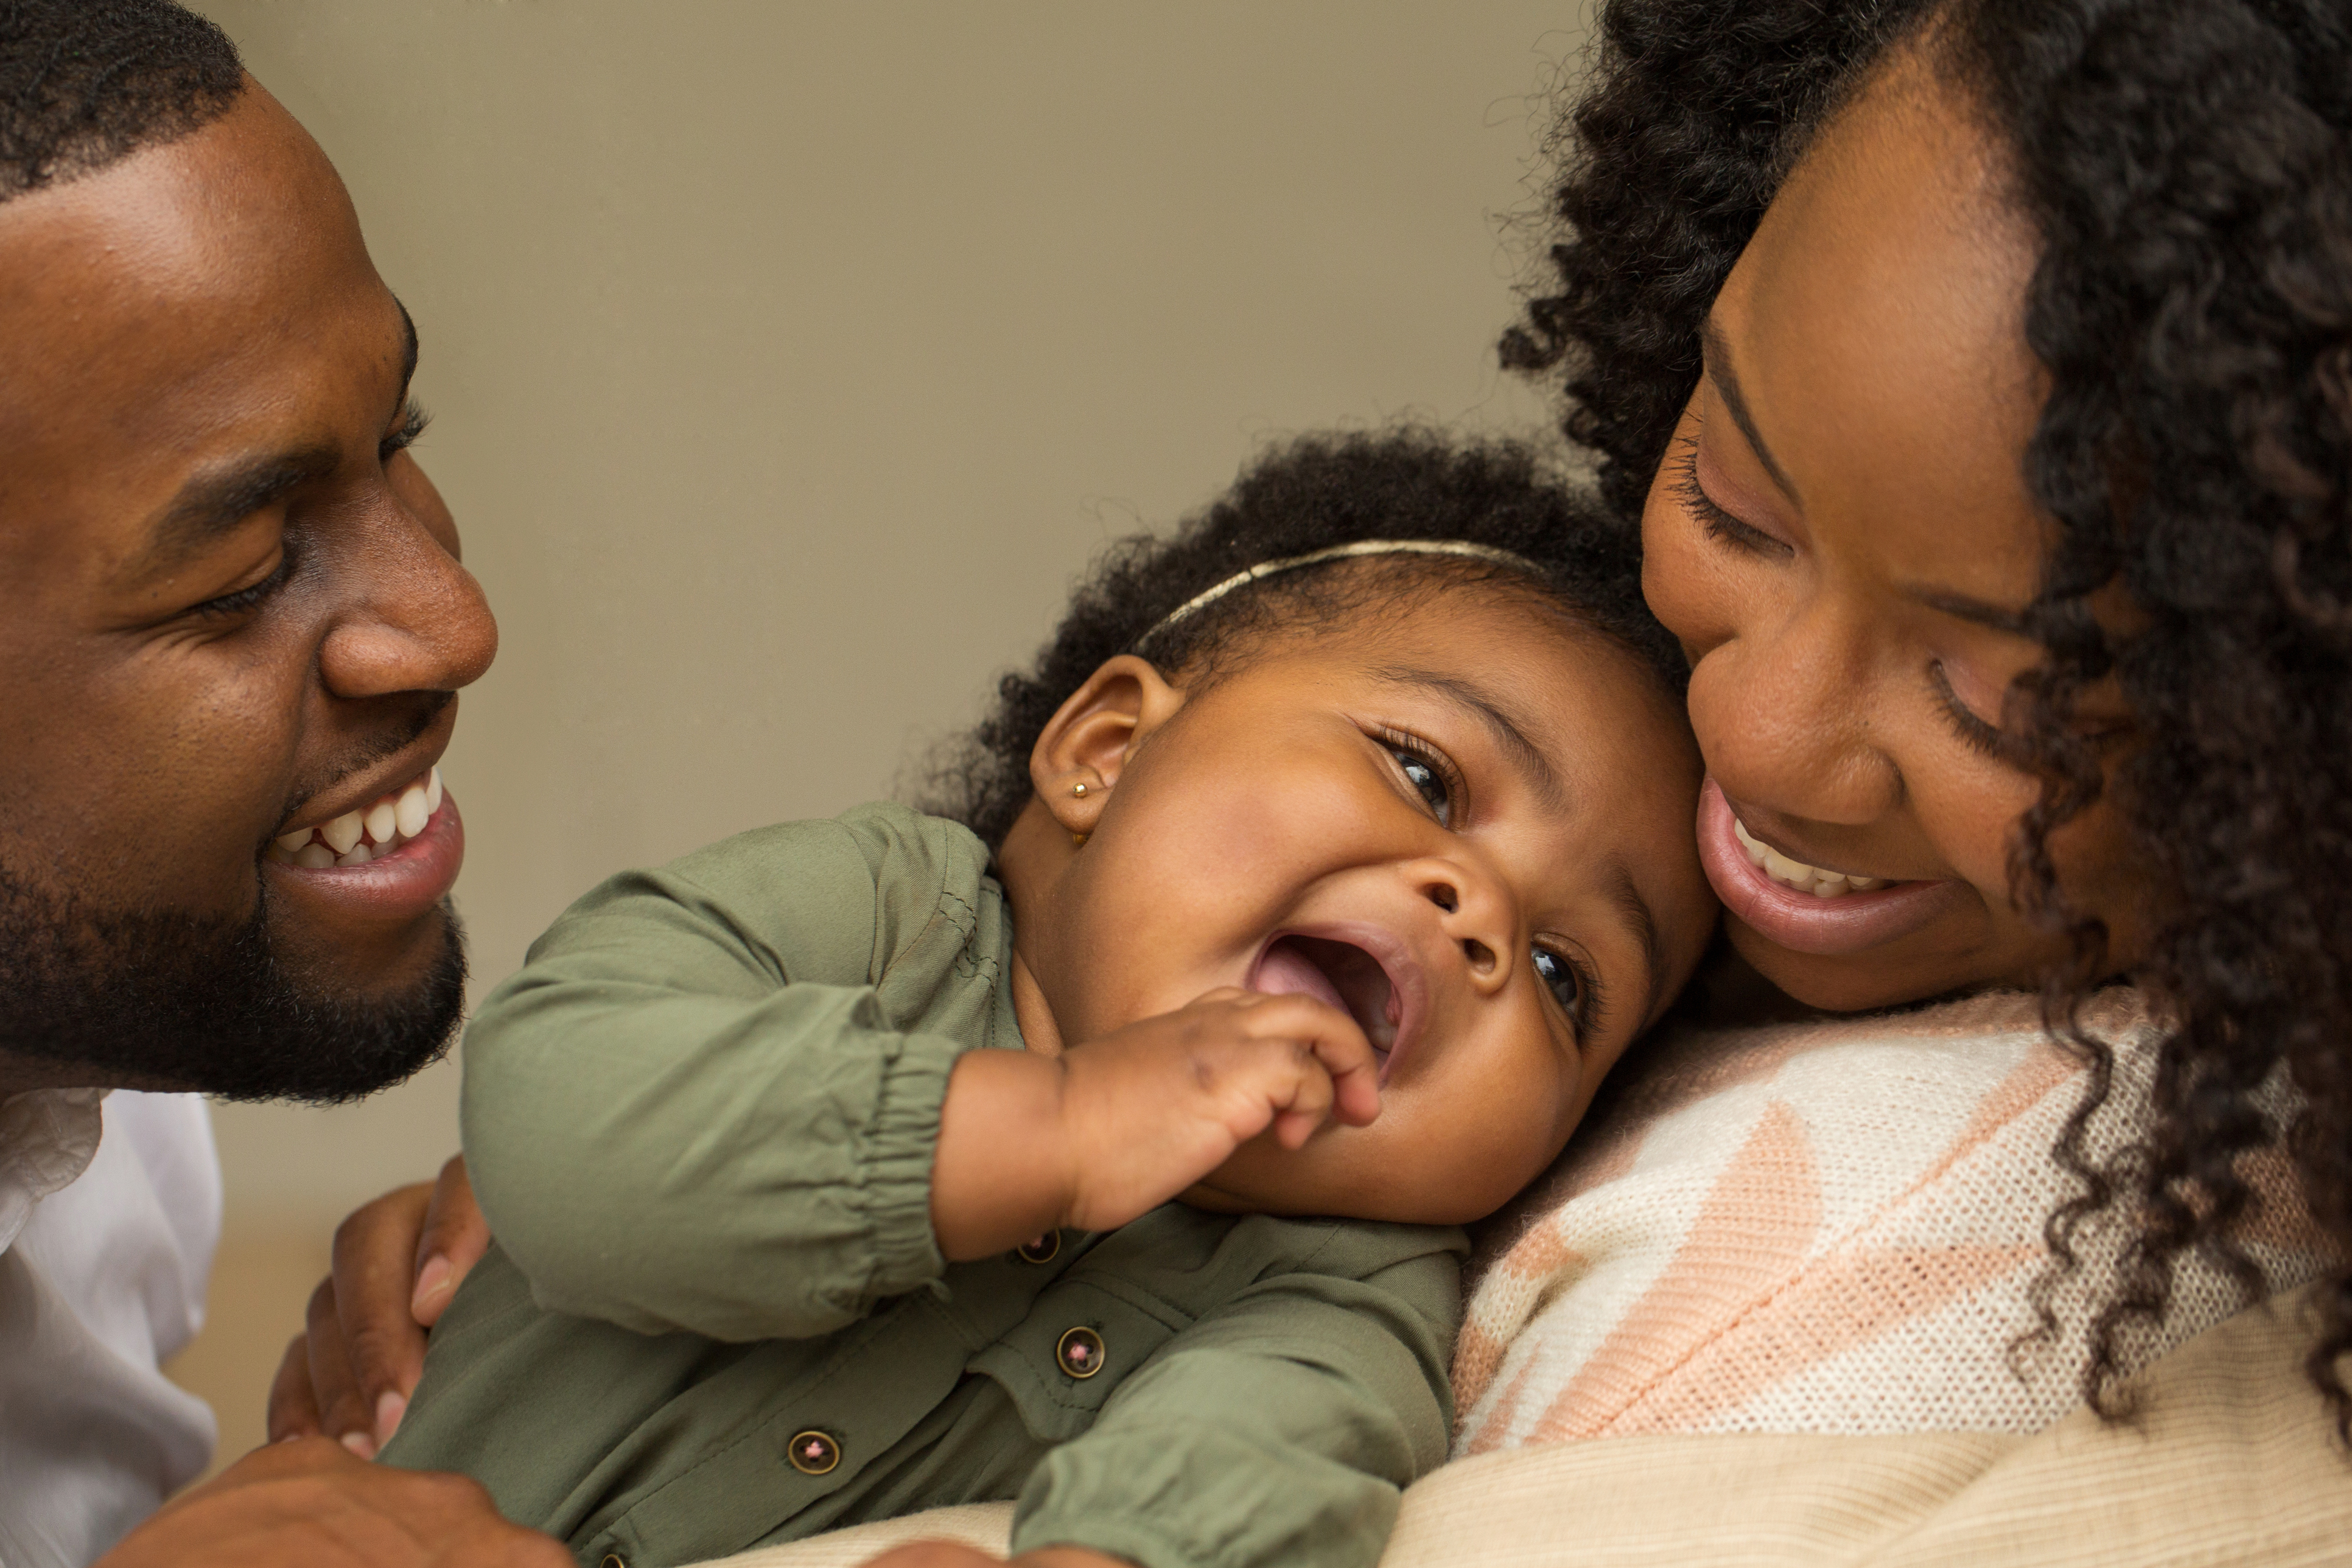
{"x":1078,"y":760}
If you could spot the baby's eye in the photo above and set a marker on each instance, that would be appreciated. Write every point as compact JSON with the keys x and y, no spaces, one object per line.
{"x":1560,"y":976}
{"x":1425,"y":778}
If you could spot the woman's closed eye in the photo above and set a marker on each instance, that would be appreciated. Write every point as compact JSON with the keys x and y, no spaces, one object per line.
{"x":1721,"y":524}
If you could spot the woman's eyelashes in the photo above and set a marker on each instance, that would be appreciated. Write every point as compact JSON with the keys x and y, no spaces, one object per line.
{"x":1720,"y":525}
{"x":1975,"y":731}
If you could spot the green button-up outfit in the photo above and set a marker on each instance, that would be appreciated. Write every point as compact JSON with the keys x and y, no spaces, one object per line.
{"x":701,"y":1122}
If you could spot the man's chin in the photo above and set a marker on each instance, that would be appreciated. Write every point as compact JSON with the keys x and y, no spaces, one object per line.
{"x":173,"y":1000}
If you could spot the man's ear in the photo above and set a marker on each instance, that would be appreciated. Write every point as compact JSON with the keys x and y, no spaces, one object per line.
{"x":1078,"y":760}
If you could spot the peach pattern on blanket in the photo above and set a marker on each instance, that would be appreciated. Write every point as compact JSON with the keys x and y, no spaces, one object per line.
{"x":1827,"y":1227}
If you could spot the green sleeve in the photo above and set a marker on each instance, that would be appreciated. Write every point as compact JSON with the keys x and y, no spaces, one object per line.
{"x":688,"y":1111}
{"x":1279,"y":1430}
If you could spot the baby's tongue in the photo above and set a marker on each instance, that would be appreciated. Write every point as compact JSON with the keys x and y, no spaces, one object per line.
{"x":1285,"y":972}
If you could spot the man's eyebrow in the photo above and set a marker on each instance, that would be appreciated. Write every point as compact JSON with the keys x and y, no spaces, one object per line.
{"x":1726,"y":384}
{"x":1524,"y":754}
{"x":213,"y":504}
{"x":407,"y":355}
{"x":1626,"y":894}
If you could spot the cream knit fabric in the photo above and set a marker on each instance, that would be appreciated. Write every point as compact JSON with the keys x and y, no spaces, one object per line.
{"x":1828,"y":1227}
{"x":2233,"y":1464}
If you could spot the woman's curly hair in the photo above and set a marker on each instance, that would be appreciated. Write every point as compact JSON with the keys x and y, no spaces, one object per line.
{"x":2187,"y":166}
{"x":1314,"y":493}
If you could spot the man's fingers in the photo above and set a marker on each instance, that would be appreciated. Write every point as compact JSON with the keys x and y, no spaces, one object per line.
{"x":345,"y":1412}
{"x":293,"y":1403}
{"x":374,"y":1280}
{"x":456,"y":1237}
{"x":310,"y":1504}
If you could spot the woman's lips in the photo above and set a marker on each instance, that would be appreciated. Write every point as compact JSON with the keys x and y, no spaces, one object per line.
{"x":1806,"y":922}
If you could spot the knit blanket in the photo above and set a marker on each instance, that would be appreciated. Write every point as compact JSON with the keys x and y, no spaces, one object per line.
{"x":1830,"y":1227}
{"x":2232,"y":1463}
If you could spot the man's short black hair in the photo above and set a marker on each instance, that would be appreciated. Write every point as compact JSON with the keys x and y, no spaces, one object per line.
{"x":85,"y":83}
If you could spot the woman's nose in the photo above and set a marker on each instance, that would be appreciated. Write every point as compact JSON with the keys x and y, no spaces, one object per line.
{"x":1784,"y":720}
{"x":1476,"y":917}
{"x":416,"y":620}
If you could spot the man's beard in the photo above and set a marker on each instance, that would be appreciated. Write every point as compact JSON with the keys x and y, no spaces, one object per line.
{"x":174,"y":1000}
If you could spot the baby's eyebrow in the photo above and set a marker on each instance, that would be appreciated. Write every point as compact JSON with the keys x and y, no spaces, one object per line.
{"x":1525,"y":755}
{"x":1626,"y":894}
{"x":1544,"y":781}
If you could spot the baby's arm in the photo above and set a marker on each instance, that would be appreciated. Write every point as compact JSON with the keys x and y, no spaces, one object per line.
{"x":688,"y":1109}
{"x":1114,"y":1127}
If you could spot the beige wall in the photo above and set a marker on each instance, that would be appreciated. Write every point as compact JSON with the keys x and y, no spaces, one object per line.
{"x":787,"y":359}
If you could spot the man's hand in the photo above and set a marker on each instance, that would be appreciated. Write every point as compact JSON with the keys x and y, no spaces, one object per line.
{"x":954,"y":1554}
{"x":310,"y":1504}
{"x":397,"y":1262}
{"x":1116,"y":1127}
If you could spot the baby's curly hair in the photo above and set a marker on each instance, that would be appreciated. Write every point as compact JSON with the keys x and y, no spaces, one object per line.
{"x":1313,"y":493}
{"x":2187,"y":166}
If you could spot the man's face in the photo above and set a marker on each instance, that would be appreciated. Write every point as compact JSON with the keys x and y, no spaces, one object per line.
{"x":230,"y":610}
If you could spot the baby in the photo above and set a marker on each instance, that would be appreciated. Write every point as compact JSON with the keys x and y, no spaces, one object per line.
{"x":1101,"y":1143}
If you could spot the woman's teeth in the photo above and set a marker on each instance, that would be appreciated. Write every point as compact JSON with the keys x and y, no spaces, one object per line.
{"x":1797,"y":874}
{"x":357,"y":837}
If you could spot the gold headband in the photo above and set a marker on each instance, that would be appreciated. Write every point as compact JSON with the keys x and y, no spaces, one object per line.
{"x":1461,"y":547}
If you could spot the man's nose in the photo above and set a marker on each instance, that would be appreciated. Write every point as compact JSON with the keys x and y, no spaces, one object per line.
{"x":412,"y":620}
{"x":1783,"y":717}
{"x":1476,"y":914}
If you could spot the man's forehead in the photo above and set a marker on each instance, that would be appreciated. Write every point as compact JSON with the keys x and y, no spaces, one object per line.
{"x":195,"y":304}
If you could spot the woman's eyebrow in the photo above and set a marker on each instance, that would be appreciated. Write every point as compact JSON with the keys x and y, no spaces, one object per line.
{"x":1717,"y":351}
{"x":1962,"y":607}
{"x":1526,"y":757}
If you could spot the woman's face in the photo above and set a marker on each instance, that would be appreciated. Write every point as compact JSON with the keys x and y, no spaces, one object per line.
{"x":1842,"y":536}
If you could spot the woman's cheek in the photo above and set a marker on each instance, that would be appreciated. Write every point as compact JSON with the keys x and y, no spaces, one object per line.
{"x":1969,"y":808}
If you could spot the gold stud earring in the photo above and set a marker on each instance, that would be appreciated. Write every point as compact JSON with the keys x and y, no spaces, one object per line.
{"x":1078,"y":789}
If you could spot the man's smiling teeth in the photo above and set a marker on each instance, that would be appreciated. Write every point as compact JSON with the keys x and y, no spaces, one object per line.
{"x":1797,"y":874}
{"x":358,"y":837}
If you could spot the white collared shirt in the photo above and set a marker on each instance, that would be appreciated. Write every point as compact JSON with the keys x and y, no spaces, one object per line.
{"x":106,"y":1244}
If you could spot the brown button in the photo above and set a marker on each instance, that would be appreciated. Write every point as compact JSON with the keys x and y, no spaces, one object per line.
{"x":813,"y":1453}
{"x":1041,"y":1250}
{"x":1080,"y":1352}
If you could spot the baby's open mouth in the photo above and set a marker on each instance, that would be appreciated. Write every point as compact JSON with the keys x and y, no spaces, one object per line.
{"x":1340,"y":973}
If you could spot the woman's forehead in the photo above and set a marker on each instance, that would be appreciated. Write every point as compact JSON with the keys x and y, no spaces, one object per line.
{"x":1873,"y":330}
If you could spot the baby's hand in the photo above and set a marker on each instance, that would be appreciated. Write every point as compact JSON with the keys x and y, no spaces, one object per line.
{"x":1150,"y":1110}
{"x":1117,"y":1126}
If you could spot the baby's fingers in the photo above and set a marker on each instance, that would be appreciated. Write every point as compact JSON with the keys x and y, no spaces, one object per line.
{"x":1343,"y":1052}
{"x":1304,"y":1102}
{"x":1345,"y":1068}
